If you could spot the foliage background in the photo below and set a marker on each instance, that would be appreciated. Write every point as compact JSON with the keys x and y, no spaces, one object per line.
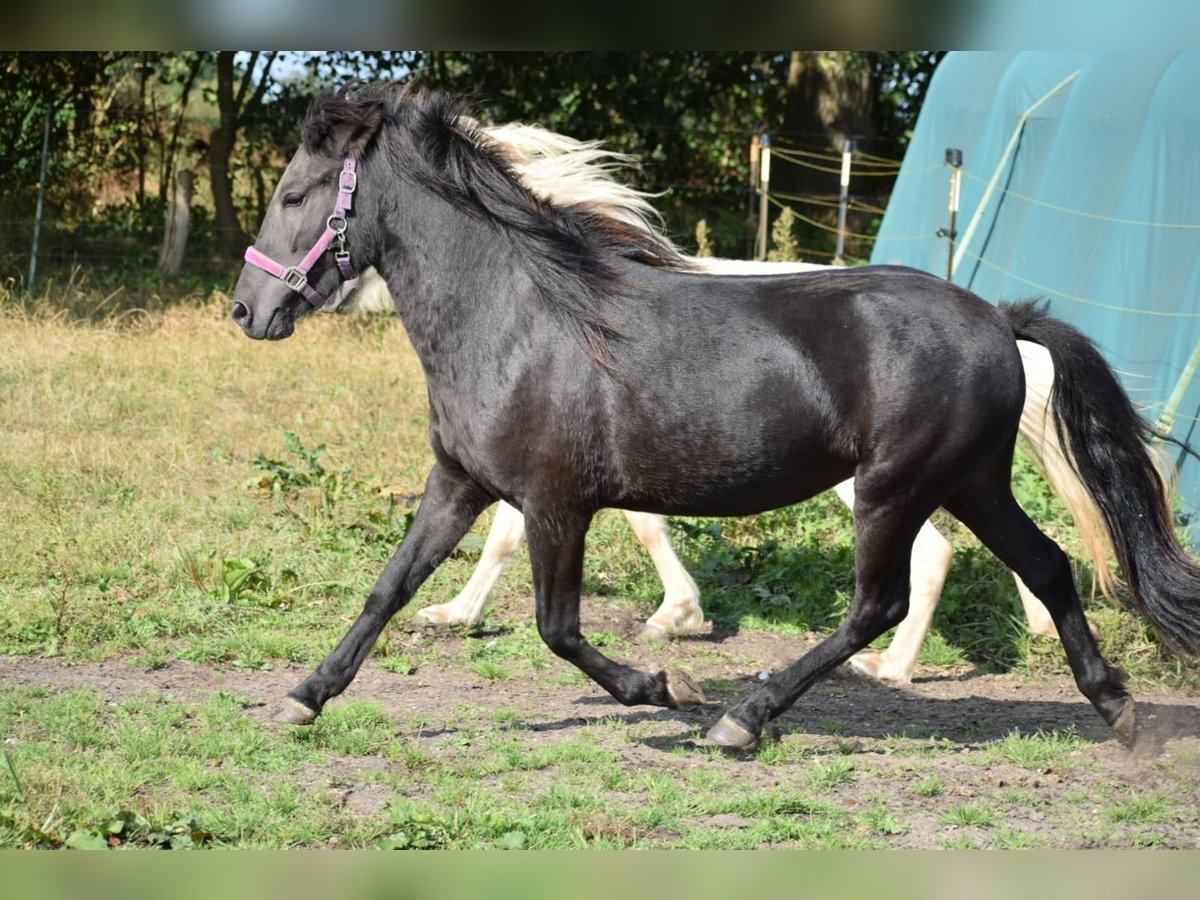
{"x":123,"y":124}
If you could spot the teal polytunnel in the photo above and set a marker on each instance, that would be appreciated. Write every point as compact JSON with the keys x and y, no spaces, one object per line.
{"x":1081,"y":184}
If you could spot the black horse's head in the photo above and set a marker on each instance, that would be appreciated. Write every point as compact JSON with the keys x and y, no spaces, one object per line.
{"x":309,"y":242}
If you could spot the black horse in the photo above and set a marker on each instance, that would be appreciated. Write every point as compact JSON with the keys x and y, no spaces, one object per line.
{"x":576,"y":362}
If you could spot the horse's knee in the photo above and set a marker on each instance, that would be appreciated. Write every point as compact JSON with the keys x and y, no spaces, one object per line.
{"x":869,"y":620}
{"x":894,"y":612}
{"x":561,"y":641}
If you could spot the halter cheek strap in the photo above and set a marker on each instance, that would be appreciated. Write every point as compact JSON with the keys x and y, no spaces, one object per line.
{"x":296,"y":277}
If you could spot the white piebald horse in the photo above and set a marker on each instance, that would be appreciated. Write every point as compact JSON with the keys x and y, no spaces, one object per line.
{"x":557,"y":167}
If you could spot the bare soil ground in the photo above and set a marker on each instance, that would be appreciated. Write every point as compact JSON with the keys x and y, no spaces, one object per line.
{"x":955,"y":716}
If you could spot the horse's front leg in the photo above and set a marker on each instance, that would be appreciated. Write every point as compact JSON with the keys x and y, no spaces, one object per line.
{"x":556,"y":553}
{"x":450,"y":505}
{"x":503,"y":541}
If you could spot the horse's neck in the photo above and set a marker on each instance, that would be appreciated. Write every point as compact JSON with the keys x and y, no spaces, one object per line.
{"x":459,"y":293}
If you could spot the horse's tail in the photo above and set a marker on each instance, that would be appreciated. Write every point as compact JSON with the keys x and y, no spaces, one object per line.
{"x":1103,"y":444}
{"x":1041,"y":440}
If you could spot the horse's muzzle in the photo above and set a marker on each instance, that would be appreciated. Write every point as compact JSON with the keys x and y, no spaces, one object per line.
{"x":274,"y":327}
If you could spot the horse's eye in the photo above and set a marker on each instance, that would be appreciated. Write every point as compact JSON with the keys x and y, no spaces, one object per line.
{"x":293,"y":200}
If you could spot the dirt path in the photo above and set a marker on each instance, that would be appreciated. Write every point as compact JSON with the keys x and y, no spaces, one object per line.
{"x":958,"y":716}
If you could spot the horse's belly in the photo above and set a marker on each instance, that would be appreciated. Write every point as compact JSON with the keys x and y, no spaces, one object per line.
{"x":736,"y":500}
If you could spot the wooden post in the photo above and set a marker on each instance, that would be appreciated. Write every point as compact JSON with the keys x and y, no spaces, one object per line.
{"x":751,"y":226}
{"x":175,"y":235}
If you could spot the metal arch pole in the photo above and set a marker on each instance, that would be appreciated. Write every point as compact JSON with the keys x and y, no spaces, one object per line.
{"x":1000,"y":166}
{"x":1166,"y":419}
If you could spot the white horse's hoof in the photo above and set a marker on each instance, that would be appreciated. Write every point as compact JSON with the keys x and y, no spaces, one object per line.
{"x":443,"y":615}
{"x":877,"y":666}
{"x":663,"y":628}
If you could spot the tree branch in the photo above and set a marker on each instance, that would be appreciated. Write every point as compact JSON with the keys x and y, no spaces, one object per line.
{"x":245,"y":85}
{"x":265,"y":80}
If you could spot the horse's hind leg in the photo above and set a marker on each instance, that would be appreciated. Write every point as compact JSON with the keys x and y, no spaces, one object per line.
{"x":987,"y":507}
{"x":680,"y":612}
{"x":503,"y":541}
{"x":931,"y":556}
{"x":556,"y":542}
{"x":884,"y":533}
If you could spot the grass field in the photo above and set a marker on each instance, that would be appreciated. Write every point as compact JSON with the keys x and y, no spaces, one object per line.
{"x":194,"y":518}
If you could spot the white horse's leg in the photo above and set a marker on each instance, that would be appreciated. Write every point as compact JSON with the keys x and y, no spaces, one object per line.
{"x":931,"y":556}
{"x":1036,"y":612}
{"x":504,"y":539}
{"x":680,"y":612}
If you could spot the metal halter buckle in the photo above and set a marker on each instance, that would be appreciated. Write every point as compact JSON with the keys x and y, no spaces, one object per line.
{"x":294,"y":278}
{"x":350,"y":186}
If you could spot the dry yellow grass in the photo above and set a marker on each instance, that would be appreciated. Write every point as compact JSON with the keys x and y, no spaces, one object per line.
{"x":124,"y":445}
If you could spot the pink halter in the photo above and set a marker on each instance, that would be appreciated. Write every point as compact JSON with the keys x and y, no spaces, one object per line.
{"x":296,"y":277}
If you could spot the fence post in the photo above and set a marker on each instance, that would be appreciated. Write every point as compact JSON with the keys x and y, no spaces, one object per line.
{"x":954,"y":161}
{"x":839,"y":256}
{"x":175,"y":234}
{"x":764,"y":186}
{"x":41,"y":202}
{"x":751,"y":230}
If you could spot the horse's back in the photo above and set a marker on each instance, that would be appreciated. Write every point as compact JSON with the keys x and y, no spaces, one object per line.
{"x":791,"y":383}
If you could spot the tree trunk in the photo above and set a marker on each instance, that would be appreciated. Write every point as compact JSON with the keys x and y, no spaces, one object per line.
{"x":230,"y":238}
{"x":168,"y":173}
{"x":829,"y":99}
{"x":174,"y":246}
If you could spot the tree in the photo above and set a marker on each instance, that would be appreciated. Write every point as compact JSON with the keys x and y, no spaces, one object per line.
{"x":871,"y":97}
{"x":124,"y":122}
{"x":687,"y":116}
{"x":233,"y":105}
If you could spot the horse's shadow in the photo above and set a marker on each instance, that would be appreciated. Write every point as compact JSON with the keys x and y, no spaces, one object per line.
{"x":833,"y":712}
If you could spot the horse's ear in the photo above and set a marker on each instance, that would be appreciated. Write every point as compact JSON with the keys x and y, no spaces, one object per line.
{"x":357,"y":138}
{"x":337,"y":126}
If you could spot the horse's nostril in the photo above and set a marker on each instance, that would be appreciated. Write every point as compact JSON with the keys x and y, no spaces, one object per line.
{"x":241,"y":312}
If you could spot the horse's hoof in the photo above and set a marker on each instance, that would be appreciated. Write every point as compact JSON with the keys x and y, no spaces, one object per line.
{"x":437,"y":617}
{"x":293,"y":712}
{"x":729,"y":734}
{"x":656,"y":632}
{"x":683,"y":691}
{"x":877,"y":666}
{"x":1126,"y":724}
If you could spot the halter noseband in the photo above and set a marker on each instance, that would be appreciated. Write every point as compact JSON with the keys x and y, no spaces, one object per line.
{"x":296,"y":277}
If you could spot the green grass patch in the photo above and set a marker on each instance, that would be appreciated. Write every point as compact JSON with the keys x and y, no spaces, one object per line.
{"x":184,"y":494}
{"x":1038,"y":751}
{"x":971,"y":815}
